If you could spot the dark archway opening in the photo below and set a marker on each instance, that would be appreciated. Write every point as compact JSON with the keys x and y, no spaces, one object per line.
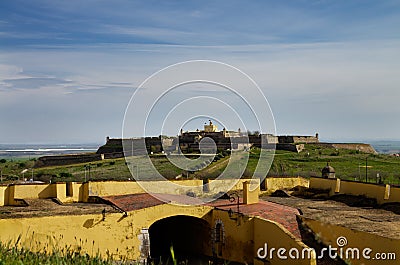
{"x":189,"y":236}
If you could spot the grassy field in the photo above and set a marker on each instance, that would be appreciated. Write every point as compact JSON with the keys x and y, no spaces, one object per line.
{"x":349,"y":164}
{"x":10,"y":255}
{"x":112,"y":169}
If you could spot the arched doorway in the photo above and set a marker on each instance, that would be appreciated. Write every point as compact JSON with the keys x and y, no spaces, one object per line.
{"x":189,"y":236}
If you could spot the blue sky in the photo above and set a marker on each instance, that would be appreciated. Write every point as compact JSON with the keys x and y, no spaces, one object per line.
{"x":68,"y":68}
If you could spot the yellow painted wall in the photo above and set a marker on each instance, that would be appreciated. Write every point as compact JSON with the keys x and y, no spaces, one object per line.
{"x":34,"y":191}
{"x":41,"y":191}
{"x":328,"y":234}
{"x":84,"y":192}
{"x":394,"y":195}
{"x":59,"y":232}
{"x":116,"y":235}
{"x":250,"y":196}
{"x":277,"y":183}
{"x":356,"y":188}
{"x":323,"y":184}
{"x":237,"y":242}
{"x":108,"y":188}
{"x":368,"y":190}
{"x":276,"y":236}
{"x":61,"y":189}
{"x":9,"y":197}
{"x":218,"y":185}
{"x":77,"y":189}
{"x":81,"y":191}
{"x":177,"y":187}
{"x":243,"y":235}
{"x":3,"y":195}
{"x":144,"y":218}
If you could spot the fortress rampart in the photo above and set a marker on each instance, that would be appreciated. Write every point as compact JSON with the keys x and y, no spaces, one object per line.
{"x":364,"y":148}
{"x":61,"y":160}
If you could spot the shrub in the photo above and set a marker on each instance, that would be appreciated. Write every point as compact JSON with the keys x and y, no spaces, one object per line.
{"x":225,"y":153}
{"x":66,"y":175}
{"x":112,"y":163}
{"x":169,"y":173}
{"x":3,"y":160}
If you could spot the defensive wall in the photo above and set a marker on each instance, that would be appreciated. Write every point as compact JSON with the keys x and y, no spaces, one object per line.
{"x":382,"y":193}
{"x":189,"y":143}
{"x":294,"y":139}
{"x":126,"y":235}
{"x":14,"y":195}
{"x":271,"y":184}
{"x":364,"y":148}
{"x":121,"y":237}
{"x":135,"y":146}
{"x":80,"y":192}
{"x":297,"y":148}
{"x":61,"y":160}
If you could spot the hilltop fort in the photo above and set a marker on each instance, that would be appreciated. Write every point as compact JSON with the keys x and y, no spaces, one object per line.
{"x":189,"y":141}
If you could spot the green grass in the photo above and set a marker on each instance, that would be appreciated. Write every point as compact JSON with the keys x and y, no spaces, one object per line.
{"x":111,"y":169}
{"x":349,"y":164}
{"x":11,"y":255}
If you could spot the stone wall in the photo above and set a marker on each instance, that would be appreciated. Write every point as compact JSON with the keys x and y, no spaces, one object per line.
{"x":62,"y":160}
{"x":365,"y":148}
{"x":290,"y":139}
{"x":153,"y":144}
{"x":290,"y":147}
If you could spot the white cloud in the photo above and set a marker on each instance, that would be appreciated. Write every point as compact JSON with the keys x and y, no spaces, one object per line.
{"x":333,"y":88}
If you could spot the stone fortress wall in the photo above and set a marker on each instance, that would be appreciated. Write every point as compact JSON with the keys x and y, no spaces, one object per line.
{"x":189,"y":142}
{"x":60,"y":160}
{"x":364,"y":148}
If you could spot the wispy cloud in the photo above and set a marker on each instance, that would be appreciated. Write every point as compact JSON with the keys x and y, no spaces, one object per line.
{"x":81,"y":61}
{"x":33,"y":82}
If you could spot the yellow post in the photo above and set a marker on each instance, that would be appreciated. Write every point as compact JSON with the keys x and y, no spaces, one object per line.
{"x":337,"y":189}
{"x":250,"y":196}
{"x":3,"y":198}
{"x":387,"y":192}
